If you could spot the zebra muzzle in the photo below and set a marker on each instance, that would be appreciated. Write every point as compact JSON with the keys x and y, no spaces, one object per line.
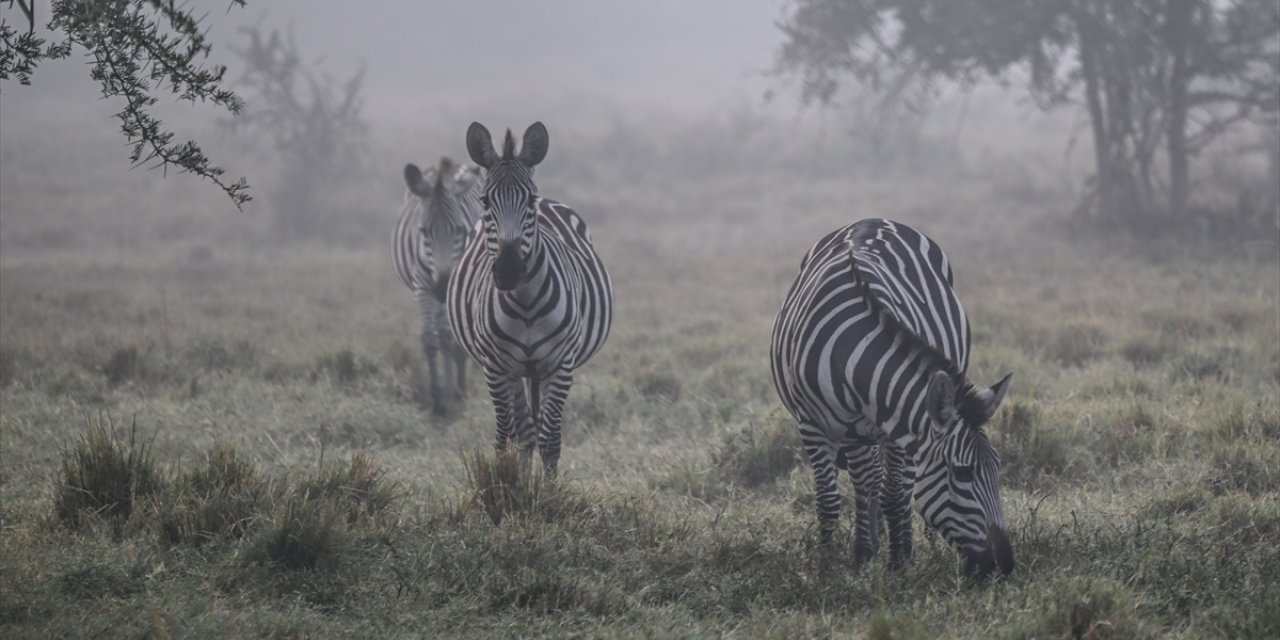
{"x":508,"y":268}
{"x":998,"y":554}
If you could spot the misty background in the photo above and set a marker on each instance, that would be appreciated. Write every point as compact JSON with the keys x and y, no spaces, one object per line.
{"x":645,"y":100}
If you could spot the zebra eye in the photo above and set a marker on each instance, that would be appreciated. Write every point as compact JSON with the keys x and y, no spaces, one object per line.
{"x":963,"y":472}
{"x":533,"y":200}
{"x":484,"y":201}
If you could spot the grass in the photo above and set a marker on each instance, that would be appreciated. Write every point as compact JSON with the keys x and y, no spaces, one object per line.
{"x":285,"y":478}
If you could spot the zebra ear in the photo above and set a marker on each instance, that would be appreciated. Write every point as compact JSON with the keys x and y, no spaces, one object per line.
{"x":993,"y":396}
{"x":940,"y":400}
{"x":480,"y":145}
{"x":534,"y":148}
{"x":466,"y":179}
{"x":414,"y":179}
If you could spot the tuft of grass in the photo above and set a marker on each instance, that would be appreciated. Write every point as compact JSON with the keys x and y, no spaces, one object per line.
{"x":503,"y":483}
{"x":1075,"y":344}
{"x":308,"y":534}
{"x":758,"y":455}
{"x":659,"y":385}
{"x":104,"y":476}
{"x":1033,"y":454}
{"x":359,"y":489}
{"x":884,"y":626}
{"x":1147,"y":350}
{"x":123,"y":365}
{"x":343,"y":367}
{"x":1084,"y":608}
{"x":217,"y":500}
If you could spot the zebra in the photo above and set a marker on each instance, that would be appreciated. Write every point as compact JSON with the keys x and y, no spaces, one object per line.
{"x":530,"y":300}
{"x":440,"y":206}
{"x":869,"y":353}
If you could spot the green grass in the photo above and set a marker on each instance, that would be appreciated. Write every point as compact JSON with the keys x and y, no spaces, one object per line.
{"x":286,"y":478}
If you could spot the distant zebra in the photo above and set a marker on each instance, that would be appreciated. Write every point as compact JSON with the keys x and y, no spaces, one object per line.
{"x":530,"y":300}
{"x":869,"y":355}
{"x":440,"y":206}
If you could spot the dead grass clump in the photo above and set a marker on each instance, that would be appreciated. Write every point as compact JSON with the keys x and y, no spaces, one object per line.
{"x":104,"y":475}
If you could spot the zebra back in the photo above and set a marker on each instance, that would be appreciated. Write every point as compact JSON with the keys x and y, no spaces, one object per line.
{"x":907,"y":277}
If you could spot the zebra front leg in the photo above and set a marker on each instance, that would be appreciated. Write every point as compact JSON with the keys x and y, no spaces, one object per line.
{"x":428,"y":310}
{"x":822,"y":458}
{"x":552,"y":393}
{"x":511,"y":411}
{"x":863,"y":464}
{"x":896,"y":503}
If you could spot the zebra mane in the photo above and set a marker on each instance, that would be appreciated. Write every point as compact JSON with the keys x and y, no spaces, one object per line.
{"x":509,"y":147}
{"x":969,"y":405}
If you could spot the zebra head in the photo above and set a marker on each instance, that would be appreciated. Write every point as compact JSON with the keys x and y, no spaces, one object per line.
{"x":447,"y":212}
{"x":511,"y":199}
{"x":957,"y":490}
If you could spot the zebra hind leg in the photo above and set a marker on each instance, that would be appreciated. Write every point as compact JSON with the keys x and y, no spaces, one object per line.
{"x":863,"y":464}
{"x":896,"y":503}
{"x":822,"y":458}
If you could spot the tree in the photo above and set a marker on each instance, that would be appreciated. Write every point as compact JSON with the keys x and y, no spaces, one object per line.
{"x":314,"y":123}
{"x":138,"y":49}
{"x":1158,"y":78}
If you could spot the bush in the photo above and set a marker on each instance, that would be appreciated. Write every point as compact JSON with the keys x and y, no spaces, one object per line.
{"x":103,"y":476}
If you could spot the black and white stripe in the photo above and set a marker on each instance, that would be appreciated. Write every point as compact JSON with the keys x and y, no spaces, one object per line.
{"x":530,"y":300}
{"x":440,"y":206}
{"x":869,"y":355}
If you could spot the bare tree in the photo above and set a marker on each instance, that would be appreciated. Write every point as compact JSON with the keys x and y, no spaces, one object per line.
{"x":313,"y":121}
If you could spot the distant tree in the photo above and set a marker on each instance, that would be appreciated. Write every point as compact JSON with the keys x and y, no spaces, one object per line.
{"x":313,"y":121}
{"x":138,"y":48}
{"x":1155,"y":76}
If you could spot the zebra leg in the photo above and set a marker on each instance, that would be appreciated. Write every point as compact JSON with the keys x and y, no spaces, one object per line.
{"x":511,"y":411}
{"x":553,"y":391}
{"x":454,"y":357}
{"x":863,"y":464}
{"x":896,"y":502}
{"x":822,"y":458}
{"x":427,"y":308}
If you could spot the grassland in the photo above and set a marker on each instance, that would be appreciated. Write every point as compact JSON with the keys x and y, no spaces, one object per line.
{"x":286,"y":477}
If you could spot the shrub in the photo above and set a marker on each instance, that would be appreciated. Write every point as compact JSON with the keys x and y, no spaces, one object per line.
{"x":104,"y":476}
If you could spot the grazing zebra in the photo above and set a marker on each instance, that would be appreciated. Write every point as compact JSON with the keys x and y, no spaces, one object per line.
{"x":869,"y":355}
{"x":439,"y":208}
{"x":530,"y":300}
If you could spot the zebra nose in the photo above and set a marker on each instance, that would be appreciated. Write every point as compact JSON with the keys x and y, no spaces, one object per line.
{"x":508,"y":268}
{"x":441,"y":286}
{"x":1001,"y":549}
